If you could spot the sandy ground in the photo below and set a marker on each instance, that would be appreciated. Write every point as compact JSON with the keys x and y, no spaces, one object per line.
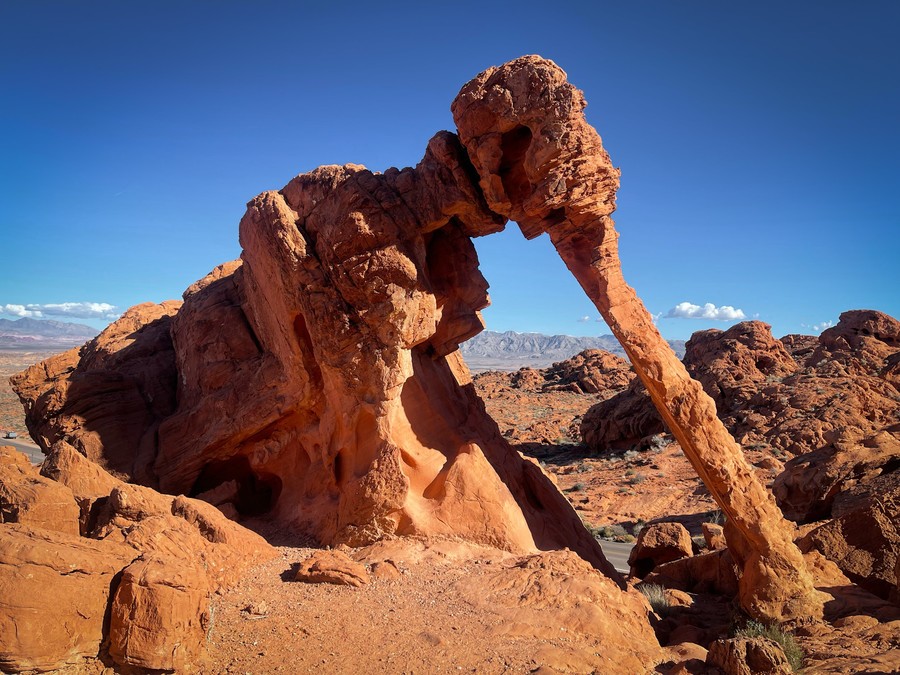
{"x":418,"y":623}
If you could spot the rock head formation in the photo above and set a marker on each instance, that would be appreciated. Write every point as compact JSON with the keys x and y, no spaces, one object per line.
{"x":317,"y":380}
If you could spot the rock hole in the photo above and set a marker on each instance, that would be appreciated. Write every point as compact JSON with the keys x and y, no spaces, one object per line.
{"x":256,"y":493}
{"x":338,"y":468}
{"x":554,"y":218}
{"x":513,"y":146}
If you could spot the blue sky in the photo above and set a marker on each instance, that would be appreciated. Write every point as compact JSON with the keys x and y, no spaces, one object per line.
{"x":759,"y":144}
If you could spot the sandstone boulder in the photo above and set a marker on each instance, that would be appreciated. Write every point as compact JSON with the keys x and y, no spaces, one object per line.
{"x":107,"y":397}
{"x":332,"y":567}
{"x":714,"y":572}
{"x":864,"y":543}
{"x":537,"y":595}
{"x":714,"y":535}
{"x":56,"y":595}
{"x":659,"y":543}
{"x":180,"y":528}
{"x":30,"y":499}
{"x":160,"y":615}
{"x":749,"y":656}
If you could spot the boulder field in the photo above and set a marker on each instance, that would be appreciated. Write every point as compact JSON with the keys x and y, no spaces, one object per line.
{"x":317,"y":382}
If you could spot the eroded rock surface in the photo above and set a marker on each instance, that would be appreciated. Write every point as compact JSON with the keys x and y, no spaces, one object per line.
{"x":56,"y":593}
{"x":334,"y":397}
{"x":657,"y":544}
{"x":30,"y":499}
{"x":829,"y":405}
{"x":542,"y":165}
{"x":137,"y":577}
{"x":320,"y":373}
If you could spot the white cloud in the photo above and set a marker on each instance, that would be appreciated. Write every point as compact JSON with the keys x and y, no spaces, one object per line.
{"x":687,"y":310}
{"x":584,"y":319}
{"x":70,"y":310}
{"x":819,"y":327}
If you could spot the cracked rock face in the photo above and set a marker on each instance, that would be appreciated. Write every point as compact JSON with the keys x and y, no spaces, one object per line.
{"x":319,"y":377}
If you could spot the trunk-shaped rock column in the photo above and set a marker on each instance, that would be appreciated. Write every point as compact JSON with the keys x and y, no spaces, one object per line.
{"x":541,"y":164}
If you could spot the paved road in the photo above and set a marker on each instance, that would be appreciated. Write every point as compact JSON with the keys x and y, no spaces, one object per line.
{"x":617,"y":554}
{"x":34,"y":452}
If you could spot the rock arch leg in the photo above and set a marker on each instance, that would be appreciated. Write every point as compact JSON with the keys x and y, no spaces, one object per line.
{"x":557,"y":178}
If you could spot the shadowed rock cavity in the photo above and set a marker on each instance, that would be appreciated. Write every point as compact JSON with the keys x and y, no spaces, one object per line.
{"x":318,"y":377}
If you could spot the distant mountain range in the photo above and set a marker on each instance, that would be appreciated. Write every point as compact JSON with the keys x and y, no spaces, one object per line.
{"x":490,"y":350}
{"x":34,"y":334}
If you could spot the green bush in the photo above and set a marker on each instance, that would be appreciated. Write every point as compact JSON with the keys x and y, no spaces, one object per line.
{"x":791,"y":649}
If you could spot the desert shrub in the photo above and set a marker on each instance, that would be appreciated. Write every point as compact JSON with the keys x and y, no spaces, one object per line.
{"x":629,"y":472}
{"x":630,"y":454}
{"x":637,"y":478}
{"x":656,"y":596}
{"x":791,"y":649}
{"x":578,"y":487}
{"x":612,"y":533}
{"x":656,"y":443}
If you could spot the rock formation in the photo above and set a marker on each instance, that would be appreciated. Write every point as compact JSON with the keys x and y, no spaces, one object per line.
{"x":830,"y":402}
{"x":318,"y":378}
{"x":657,"y":544}
{"x":540,"y":164}
{"x":135,"y":582}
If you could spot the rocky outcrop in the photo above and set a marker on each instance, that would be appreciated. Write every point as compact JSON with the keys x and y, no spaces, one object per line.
{"x":829,"y":403}
{"x":30,"y":499}
{"x":864,"y":543}
{"x":540,"y":164}
{"x":107,"y":397}
{"x":544,"y":594}
{"x":334,"y":398}
{"x":593,"y":371}
{"x":137,"y":578}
